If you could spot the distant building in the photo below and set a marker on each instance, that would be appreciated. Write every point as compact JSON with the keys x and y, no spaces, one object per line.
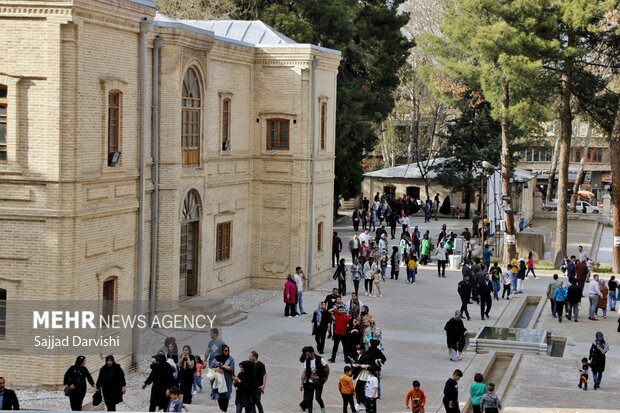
{"x":246,"y":121}
{"x":597,"y":169}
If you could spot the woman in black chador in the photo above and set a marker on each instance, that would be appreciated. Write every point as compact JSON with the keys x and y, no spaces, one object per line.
{"x":76,"y":378}
{"x":111,"y":381}
{"x":455,"y":335}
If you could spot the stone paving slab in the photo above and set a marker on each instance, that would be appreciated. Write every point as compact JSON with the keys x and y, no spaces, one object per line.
{"x":412,"y":319}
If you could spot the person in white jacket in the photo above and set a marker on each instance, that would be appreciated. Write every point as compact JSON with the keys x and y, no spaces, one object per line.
{"x":594,"y":293}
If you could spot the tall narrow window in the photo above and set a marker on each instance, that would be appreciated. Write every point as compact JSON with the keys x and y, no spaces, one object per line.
{"x":114,"y":127}
{"x":323,"y":124}
{"x":108,"y":298}
{"x":223,"y":241}
{"x":190,"y":241}
{"x":3,"y":122}
{"x":226,"y":124}
{"x":2,"y":314}
{"x":190,"y":118}
{"x":319,"y":237}
{"x":277,"y":134}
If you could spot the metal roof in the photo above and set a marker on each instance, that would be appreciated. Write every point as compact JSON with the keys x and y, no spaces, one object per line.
{"x":251,"y":32}
{"x":412,"y":171}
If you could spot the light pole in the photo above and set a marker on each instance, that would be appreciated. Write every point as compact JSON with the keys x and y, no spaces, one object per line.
{"x":486,"y":167}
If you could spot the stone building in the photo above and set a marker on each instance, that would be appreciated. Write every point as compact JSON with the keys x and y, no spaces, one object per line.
{"x":104,"y":103}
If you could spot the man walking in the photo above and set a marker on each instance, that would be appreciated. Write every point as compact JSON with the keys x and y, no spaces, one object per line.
{"x":594,"y":293}
{"x":313,"y":377}
{"x":341,"y":321}
{"x":485,"y":289}
{"x":214,"y":347}
{"x":299,"y":279}
{"x":336,"y":248}
{"x":464,"y":290}
{"x":260,"y":379}
{"x":551,"y":291}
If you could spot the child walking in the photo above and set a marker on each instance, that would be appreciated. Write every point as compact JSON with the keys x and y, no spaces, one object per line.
{"x":583,"y":373}
{"x":489,"y":402}
{"x":346,"y":389}
{"x":200,"y":365}
{"x":371,"y":390}
{"x":412,"y":269}
{"x":417,"y":398}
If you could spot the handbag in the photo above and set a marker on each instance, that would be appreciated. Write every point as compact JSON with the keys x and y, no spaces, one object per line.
{"x":97,"y":398}
{"x":67,"y":391}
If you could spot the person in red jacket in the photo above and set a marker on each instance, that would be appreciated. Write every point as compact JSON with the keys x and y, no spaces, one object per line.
{"x":341,"y":320}
{"x":290,"y":297}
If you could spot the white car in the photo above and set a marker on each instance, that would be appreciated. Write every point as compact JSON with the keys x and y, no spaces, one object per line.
{"x":589,"y":207}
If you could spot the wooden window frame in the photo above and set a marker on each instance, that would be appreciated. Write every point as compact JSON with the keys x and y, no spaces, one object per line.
{"x":319,"y":237}
{"x":226,"y":123}
{"x":223,"y":241}
{"x":108,"y":301}
{"x":4,"y":119}
{"x":3,"y":313}
{"x":114,"y":124}
{"x":191,"y":118}
{"x":278,"y":123}
{"x":323,"y":125}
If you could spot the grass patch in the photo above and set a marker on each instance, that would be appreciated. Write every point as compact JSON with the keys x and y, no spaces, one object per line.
{"x":545,"y":265}
{"x":548,"y":265}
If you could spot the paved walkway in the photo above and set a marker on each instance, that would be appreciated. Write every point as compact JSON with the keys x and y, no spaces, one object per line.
{"x":412,"y":319}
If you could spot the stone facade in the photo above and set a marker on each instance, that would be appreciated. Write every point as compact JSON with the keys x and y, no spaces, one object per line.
{"x":69,"y":221}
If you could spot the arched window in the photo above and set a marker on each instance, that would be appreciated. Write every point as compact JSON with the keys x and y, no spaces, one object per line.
{"x":191,"y":118}
{"x":190,"y":240}
{"x":3,"y":122}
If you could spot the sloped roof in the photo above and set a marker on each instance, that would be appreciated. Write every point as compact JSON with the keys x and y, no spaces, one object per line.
{"x":412,"y":171}
{"x":250,"y":32}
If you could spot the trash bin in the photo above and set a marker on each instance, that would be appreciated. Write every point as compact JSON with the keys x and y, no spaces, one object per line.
{"x":455,"y":261}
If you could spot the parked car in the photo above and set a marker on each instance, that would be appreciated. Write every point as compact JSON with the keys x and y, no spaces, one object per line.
{"x":550,"y":206}
{"x":589,"y":208}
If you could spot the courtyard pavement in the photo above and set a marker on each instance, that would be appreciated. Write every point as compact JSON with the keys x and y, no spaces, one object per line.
{"x":412,"y":318}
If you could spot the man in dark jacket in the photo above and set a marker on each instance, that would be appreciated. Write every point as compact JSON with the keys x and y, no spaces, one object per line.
{"x":485,"y":289}
{"x":161,"y":377}
{"x":8,"y":398}
{"x":574,"y":299}
{"x":464,"y":290}
{"x":313,"y":378}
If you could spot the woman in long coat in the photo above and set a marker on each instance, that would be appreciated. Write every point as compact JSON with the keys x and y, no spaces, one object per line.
{"x":597,"y":358}
{"x":112,"y":381}
{"x":455,"y":335}
{"x":76,"y":378}
{"x":290,"y":297}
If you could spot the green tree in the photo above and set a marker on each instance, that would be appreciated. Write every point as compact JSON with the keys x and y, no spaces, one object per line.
{"x":198,"y":9}
{"x":373,"y":49}
{"x":471,"y":138}
{"x":497,"y":45}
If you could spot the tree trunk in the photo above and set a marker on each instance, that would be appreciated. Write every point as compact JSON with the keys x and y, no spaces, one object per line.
{"x":510,"y":247}
{"x":553,"y":169}
{"x":566,"y":130}
{"x":614,"y":159}
{"x":580,"y":174}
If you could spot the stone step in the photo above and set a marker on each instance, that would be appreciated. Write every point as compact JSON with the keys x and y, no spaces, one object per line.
{"x":225,"y":314}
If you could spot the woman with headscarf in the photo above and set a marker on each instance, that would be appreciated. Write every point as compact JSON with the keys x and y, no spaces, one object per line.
{"x":455,"y":335}
{"x":171,"y":350}
{"x":187,"y":368}
{"x":75,"y":378}
{"x":290,"y":297}
{"x":244,"y":382}
{"x":111,"y":381}
{"x":597,"y":358}
{"x":227,"y":365}
{"x":320,"y":321}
